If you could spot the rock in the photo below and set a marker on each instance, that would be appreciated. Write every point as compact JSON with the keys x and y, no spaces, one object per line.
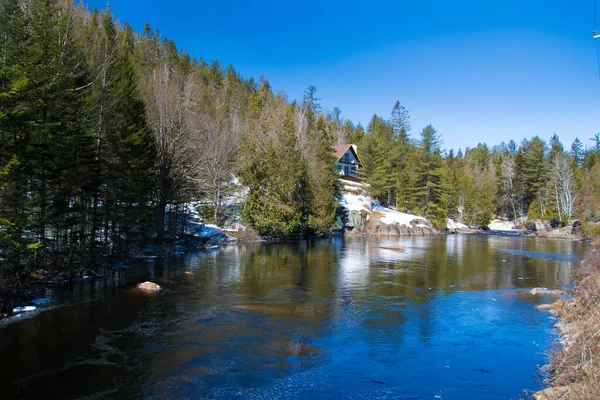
{"x":356,"y":220}
{"x":404,"y":230}
{"x":149,"y":287}
{"x":558,"y":233}
{"x":538,"y":290}
{"x":577,"y":227}
{"x":397,"y":247}
{"x":499,"y":225}
{"x":18,"y":310}
{"x":519,"y":223}
{"x":539,"y":226}
{"x":545,"y":307}
{"x":552,"y":393}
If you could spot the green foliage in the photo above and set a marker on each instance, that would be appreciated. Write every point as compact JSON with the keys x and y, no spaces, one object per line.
{"x":534,"y":212}
{"x":15,"y":250}
{"x":275,"y":205}
{"x":481,"y":187}
{"x":590,"y":230}
{"x":322,"y":181}
{"x":429,"y":194}
{"x":534,"y":169}
{"x":84,"y":168}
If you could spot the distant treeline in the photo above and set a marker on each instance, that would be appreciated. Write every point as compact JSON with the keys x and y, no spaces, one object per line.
{"x":102,"y":128}
{"x":533,"y":179}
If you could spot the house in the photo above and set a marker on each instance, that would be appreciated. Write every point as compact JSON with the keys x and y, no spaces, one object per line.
{"x":347,"y":160}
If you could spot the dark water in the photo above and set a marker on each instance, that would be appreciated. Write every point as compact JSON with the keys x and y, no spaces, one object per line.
{"x":451,"y":318}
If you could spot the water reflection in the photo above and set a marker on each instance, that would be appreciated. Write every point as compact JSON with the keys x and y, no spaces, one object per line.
{"x":339,"y":318}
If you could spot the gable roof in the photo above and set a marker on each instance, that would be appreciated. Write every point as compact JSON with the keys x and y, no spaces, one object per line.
{"x":341,"y":149}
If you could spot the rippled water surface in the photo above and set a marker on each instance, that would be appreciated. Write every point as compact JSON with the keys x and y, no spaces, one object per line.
{"x":450,"y":318}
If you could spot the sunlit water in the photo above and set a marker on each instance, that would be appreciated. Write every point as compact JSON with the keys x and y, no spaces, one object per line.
{"x":451,"y":318}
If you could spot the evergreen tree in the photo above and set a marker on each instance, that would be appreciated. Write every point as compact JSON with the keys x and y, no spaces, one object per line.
{"x":429,"y":192}
{"x":400,"y":120}
{"x":577,"y":151}
{"x":275,"y":205}
{"x":322,"y":181}
{"x":534,"y":171}
{"x":357,"y":135}
{"x":377,"y":156}
{"x":556,"y":147}
{"x":61,"y":151}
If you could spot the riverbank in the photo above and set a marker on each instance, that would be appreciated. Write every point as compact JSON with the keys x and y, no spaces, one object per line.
{"x":575,"y":363}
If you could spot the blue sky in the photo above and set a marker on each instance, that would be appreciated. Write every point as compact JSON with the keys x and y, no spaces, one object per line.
{"x":478,"y":71}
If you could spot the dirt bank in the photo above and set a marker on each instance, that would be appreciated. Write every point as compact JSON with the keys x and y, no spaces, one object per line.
{"x":575,"y":362}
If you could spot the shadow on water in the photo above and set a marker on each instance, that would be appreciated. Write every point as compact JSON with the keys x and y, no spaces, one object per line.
{"x":340,"y":318}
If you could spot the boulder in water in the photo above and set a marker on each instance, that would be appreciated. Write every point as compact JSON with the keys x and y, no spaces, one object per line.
{"x":545,"y":307}
{"x":398,"y":247}
{"x":540,"y":290}
{"x":149,"y":287}
{"x":18,"y":310}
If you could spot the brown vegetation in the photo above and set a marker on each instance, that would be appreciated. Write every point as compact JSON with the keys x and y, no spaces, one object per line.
{"x":576,"y":363}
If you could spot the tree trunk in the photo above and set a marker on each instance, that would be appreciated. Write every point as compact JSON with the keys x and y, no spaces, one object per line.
{"x":217,"y":202}
{"x":160,"y":220}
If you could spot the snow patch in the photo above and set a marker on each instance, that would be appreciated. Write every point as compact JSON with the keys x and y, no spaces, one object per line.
{"x":391,"y":217}
{"x":497,"y":225}
{"x":452,"y":225}
{"x":201,"y":230}
{"x":354,"y":202}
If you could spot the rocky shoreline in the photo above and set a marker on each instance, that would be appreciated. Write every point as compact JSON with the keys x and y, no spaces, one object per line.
{"x":575,"y":361}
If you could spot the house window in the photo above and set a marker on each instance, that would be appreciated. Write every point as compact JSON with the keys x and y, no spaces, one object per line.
{"x":338,"y":167}
{"x":347,"y":170}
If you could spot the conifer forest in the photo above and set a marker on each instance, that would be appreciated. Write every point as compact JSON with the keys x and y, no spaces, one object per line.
{"x":107,"y":133}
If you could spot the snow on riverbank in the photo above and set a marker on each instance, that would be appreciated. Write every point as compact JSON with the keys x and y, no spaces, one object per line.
{"x":455,"y":226}
{"x":194,"y":226}
{"x":391,"y":217}
{"x":364,"y":216}
{"x":498,"y":225}
{"x":354,"y":202}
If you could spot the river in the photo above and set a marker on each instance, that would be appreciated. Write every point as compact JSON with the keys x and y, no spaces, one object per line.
{"x":450,"y":318}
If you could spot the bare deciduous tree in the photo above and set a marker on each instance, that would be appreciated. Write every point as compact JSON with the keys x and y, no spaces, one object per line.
{"x":508,"y":169}
{"x":170,"y":97}
{"x":565,"y":186}
{"x":217,"y":125}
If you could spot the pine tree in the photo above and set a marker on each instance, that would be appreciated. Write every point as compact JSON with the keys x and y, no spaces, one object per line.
{"x":534,"y":171}
{"x":400,"y":120}
{"x":15,"y":116}
{"x":429,"y":192}
{"x":59,"y":149}
{"x":577,"y":151}
{"x":377,"y":156}
{"x":357,"y":135}
{"x":322,"y":181}
{"x":275,"y":205}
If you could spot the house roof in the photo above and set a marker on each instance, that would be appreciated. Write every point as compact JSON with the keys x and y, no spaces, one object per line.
{"x":341,"y":149}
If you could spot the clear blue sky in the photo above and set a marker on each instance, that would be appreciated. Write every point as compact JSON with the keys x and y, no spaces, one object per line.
{"x":476,"y":70}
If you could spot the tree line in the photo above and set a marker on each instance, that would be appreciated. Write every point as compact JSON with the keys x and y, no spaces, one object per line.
{"x":531,"y":179}
{"x":106,"y":134}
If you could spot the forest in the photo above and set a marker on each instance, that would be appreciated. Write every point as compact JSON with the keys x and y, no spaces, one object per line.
{"x":106,"y":134}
